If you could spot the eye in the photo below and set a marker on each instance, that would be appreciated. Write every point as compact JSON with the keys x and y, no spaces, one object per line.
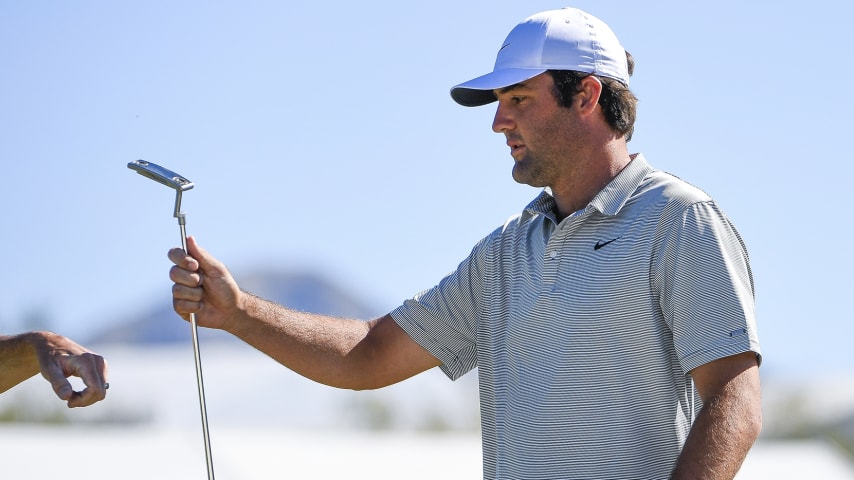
{"x":517,"y":99}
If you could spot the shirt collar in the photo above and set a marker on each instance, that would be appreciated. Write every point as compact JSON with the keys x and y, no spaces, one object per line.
{"x":609,"y":200}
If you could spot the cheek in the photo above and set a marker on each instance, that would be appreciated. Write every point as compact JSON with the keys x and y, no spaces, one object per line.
{"x":548,"y":133}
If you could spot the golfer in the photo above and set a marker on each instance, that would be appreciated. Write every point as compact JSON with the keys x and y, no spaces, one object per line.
{"x":611,"y":321}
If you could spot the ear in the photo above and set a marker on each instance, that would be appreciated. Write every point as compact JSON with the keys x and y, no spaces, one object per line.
{"x":587,"y":99}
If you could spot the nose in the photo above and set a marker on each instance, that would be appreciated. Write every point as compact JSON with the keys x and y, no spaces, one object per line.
{"x":502,"y":120}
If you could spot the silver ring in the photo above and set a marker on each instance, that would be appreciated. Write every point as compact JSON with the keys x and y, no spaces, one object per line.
{"x":106,"y":386}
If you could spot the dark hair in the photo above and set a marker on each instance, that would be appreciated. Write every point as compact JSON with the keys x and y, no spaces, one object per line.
{"x":618,"y":103}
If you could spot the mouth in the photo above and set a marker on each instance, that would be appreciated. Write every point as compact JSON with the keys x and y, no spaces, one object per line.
{"x":515,"y":146}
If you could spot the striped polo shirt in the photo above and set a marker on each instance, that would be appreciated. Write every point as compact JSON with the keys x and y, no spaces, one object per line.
{"x":583,"y":331}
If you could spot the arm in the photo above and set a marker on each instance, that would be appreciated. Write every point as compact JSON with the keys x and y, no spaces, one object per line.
{"x":18,"y":360}
{"x":57,"y":358}
{"x":338,"y":352}
{"x":729,"y":422}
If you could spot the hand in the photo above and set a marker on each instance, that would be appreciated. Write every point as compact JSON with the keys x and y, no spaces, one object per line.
{"x":203,"y":286}
{"x":60,"y":358}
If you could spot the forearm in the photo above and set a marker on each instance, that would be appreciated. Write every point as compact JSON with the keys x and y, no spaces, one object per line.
{"x":18,"y":360}
{"x":322,"y":348}
{"x":721,"y":436}
{"x":339,"y":352}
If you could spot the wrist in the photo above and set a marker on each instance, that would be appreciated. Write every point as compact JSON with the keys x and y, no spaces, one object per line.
{"x":243,"y":305}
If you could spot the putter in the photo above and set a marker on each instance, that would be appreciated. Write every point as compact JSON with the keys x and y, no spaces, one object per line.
{"x":180,"y":185}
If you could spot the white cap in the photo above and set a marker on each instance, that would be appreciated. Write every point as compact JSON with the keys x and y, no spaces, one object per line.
{"x":565,"y":39}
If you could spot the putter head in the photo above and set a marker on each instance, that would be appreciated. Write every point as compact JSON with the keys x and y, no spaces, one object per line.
{"x":161,"y":175}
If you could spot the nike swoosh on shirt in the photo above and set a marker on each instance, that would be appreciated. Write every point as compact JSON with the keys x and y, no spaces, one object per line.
{"x":601,"y":244}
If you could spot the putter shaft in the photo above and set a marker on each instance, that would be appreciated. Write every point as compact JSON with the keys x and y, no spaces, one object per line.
{"x":196,"y":354}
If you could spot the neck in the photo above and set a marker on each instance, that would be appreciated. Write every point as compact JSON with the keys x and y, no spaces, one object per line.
{"x":587,"y":178}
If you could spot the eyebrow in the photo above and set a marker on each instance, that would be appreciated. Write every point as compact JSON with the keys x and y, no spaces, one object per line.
{"x":515,"y":86}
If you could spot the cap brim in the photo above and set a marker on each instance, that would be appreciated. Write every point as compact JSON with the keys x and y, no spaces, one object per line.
{"x":479,"y":91}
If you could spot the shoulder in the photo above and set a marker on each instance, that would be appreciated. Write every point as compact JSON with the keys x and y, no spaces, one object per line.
{"x":670,"y":189}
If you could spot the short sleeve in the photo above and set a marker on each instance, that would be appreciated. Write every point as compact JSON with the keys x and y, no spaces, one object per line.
{"x":443,"y":319}
{"x":705,"y":287}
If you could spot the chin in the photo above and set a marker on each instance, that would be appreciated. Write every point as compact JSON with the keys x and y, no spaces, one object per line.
{"x":525,"y":178}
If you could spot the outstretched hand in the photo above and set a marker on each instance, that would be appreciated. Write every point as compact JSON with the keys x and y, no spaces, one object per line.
{"x":60,"y":358}
{"x":203,"y":286}
{"x":57,"y":358}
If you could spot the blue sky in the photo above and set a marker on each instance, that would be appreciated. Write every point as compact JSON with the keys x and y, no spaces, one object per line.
{"x":321,"y":136}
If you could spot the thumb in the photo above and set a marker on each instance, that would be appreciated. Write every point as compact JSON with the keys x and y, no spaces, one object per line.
{"x":193,"y":248}
{"x":207,"y":263}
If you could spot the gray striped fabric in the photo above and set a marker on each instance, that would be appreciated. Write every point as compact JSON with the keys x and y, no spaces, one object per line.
{"x":583,"y":332}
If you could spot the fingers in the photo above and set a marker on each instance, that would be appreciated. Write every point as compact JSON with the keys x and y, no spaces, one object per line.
{"x":202,"y":286}
{"x":182,"y":260}
{"x":191,"y":268}
{"x":187,"y":293}
{"x":92,"y":369}
{"x":59,"y":358}
{"x":186,"y":300}
{"x":53,"y":373}
{"x":187,"y":269}
{"x":184,"y":277}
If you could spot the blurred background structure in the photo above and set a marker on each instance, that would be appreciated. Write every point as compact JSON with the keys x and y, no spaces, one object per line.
{"x":333,"y":173}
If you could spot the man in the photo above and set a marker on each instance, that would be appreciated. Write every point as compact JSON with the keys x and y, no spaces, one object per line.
{"x":611,"y":322}
{"x":57,"y":358}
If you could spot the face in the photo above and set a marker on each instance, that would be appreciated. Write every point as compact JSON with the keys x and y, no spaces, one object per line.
{"x":539,"y":132}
